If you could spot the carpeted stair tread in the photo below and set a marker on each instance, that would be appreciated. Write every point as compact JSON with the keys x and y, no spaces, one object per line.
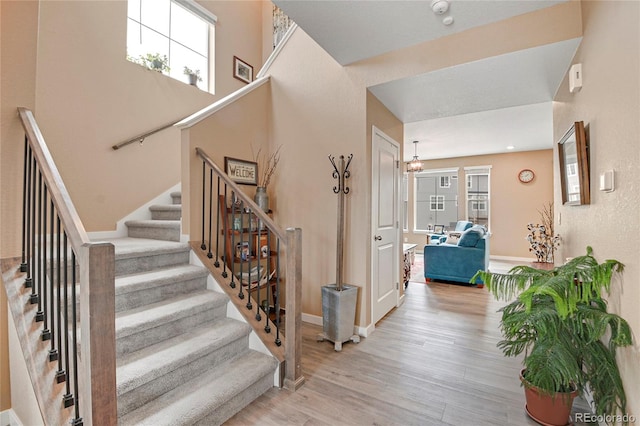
{"x":210,"y":392}
{"x":168,"y":230}
{"x":145,"y":280}
{"x":135,"y":255}
{"x":128,"y":247}
{"x":176,"y":197}
{"x":154,"y":223}
{"x":151,"y":316}
{"x":166,"y":211}
{"x":168,"y":207}
{"x":144,"y":288}
{"x":157,"y":360}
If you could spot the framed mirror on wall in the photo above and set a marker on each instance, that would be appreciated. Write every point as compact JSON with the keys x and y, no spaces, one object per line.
{"x":573,"y":149}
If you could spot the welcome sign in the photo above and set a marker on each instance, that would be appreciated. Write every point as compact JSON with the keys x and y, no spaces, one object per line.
{"x":241,"y":171}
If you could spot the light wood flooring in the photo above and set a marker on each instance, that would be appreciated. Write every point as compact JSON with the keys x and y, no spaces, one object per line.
{"x":432,"y":361}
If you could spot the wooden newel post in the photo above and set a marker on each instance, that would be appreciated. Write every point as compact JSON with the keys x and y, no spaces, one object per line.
{"x":98,"y":341}
{"x":293,"y":378}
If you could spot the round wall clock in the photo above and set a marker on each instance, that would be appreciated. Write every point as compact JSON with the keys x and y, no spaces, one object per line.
{"x":526,"y":175}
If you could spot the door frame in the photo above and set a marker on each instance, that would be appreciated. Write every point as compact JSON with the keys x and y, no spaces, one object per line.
{"x":372,"y":271}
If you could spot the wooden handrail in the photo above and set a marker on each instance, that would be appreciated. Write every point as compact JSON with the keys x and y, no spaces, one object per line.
{"x":142,"y":137}
{"x":59,"y":194}
{"x":96,"y":264}
{"x":244,"y":197}
{"x":291,"y":239}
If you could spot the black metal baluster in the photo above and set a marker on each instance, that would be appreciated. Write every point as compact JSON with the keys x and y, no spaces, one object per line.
{"x":75,"y":398}
{"x":28,"y":282}
{"x":35,"y":294}
{"x":217,"y":262}
{"x":63,"y":364}
{"x":241,"y":292}
{"x":225,"y":239}
{"x":255,"y":240}
{"x":249,"y":259}
{"x":37,"y":230}
{"x":46,"y":333}
{"x":209,"y":254}
{"x":58,"y":342}
{"x":60,"y":375}
{"x":77,"y":421}
{"x":232,"y":259}
{"x":53,"y":353}
{"x":203,"y":246}
{"x":277,"y":301}
{"x":24,"y":265}
{"x":267,"y":327}
{"x":67,"y":398}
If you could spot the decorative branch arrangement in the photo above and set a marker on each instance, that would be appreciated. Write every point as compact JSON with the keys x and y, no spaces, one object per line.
{"x":542,"y":241}
{"x":266,"y":165}
{"x":341,"y":173}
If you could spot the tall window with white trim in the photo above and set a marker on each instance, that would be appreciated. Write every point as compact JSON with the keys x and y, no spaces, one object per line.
{"x":478,"y":194}
{"x":172,"y":37}
{"x":435,"y":199}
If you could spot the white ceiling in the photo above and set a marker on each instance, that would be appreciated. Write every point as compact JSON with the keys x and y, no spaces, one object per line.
{"x":471,"y":109}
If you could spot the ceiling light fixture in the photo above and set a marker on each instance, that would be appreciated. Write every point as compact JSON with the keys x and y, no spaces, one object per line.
{"x":510,"y":147}
{"x":415,"y":165}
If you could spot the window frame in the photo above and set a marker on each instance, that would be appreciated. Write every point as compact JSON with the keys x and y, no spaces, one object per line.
{"x":454,"y":175}
{"x":176,"y":72}
{"x":478,"y":198}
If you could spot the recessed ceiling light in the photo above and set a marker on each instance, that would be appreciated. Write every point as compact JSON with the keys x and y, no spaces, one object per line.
{"x":510,"y":147}
{"x":448,"y":20}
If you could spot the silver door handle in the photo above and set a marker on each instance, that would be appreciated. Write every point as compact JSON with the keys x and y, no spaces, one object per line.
{"x":377,"y":237}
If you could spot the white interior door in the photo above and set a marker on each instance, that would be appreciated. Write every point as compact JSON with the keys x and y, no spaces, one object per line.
{"x":385,"y":256}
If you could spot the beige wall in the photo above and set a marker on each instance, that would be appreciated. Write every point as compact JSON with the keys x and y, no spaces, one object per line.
{"x":66,"y":61}
{"x":513,"y":204}
{"x":18,"y":26}
{"x":238,"y":130}
{"x":319,"y":111}
{"x":609,"y":103}
{"x":90,"y":97}
{"x":320,"y":108}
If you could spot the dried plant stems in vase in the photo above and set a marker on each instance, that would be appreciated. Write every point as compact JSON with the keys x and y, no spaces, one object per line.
{"x":542,"y":240}
{"x":266,"y":167}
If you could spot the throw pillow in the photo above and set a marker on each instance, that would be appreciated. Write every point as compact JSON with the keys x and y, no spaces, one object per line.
{"x":471,"y":236}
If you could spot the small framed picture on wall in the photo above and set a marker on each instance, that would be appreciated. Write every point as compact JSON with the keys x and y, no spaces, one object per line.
{"x":242,"y":70}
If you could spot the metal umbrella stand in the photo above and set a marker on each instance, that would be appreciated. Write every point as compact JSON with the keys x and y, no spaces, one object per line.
{"x":339,"y":299}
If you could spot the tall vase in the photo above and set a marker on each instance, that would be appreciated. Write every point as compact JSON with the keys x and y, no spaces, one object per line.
{"x":261,"y":198}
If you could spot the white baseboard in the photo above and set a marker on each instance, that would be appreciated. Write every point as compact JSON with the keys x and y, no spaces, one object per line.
{"x":513,"y":259}
{"x":312,"y":319}
{"x":9,"y":418}
{"x":359,"y":330}
{"x":141,"y":213}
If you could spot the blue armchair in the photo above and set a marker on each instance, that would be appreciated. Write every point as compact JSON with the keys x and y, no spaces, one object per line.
{"x":461,"y":226}
{"x":458,"y":262}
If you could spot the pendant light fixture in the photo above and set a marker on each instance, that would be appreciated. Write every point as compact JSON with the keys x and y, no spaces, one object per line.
{"x":415,"y":165}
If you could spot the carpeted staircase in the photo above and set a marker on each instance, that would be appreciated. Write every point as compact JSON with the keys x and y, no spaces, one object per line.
{"x":180,"y":360}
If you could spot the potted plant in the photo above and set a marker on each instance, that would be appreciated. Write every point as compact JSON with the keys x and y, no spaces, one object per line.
{"x":559,"y":320}
{"x":194,"y":76}
{"x":153,"y":61}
